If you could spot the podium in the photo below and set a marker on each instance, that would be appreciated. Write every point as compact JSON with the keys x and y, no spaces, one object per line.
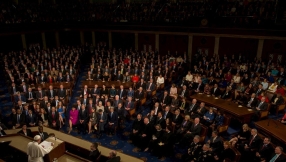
{"x":57,"y":151}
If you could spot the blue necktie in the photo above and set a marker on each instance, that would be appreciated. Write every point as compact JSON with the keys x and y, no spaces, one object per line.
{"x":274,"y":158}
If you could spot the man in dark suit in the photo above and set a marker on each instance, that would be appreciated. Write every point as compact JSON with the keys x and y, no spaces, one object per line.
{"x":184,"y":93}
{"x":194,"y":130}
{"x":26,"y":132}
{"x":94,"y":153}
{"x":54,"y":119}
{"x":265,"y":151}
{"x":215,"y":142}
{"x":157,"y":108}
{"x":251,"y":146}
{"x":98,"y":76}
{"x":95,"y":92}
{"x":252,"y":101}
{"x":166,"y":99}
{"x":145,"y":134}
{"x":118,"y":76}
{"x":40,"y":94}
{"x":44,"y":135}
{"x":164,"y":147}
{"x":113,"y":157}
{"x":18,"y":119}
{"x":85,"y":91}
{"x":177,"y":119}
{"x":198,"y":87}
{"x":82,"y":119}
{"x":160,"y":120}
{"x":31,"y":119}
{"x":116,"y":101}
{"x":19,"y":97}
{"x":167,"y":114}
{"x":261,"y":106}
{"x":129,"y":105}
{"x":30,"y":95}
{"x":278,"y":156}
{"x":150,"y":87}
{"x":112,"y":121}
{"x":139,"y":95}
{"x":51,"y":93}
{"x":215,"y":91}
{"x":136,"y":129}
{"x":121,"y":92}
{"x":62,"y":92}
{"x":192,"y":108}
{"x":102,"y":120}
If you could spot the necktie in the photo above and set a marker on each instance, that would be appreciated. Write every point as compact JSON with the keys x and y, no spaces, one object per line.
{"x":251,"y":140}
{"x":260,"y":104}
{"x":51,"y":94}
{"x":120,"y":93}
{"x":183,"y":105}
{"x":274,"y":158}
{"x":111,"y":115}
{"x":128,"y":106}
{"x":101,"y":116}
{"x":30,"y":95}
{"x":191,"y":108}
{"x":185,"y":123}
{"x":24,"y":89}
{"x":18,"y":118}
{"x":41,"y":94}
{"x":165,"y":115}
{"x":149,"y":86}
{"x":183,"y":92}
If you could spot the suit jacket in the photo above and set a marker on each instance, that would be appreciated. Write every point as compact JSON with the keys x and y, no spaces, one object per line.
{"x":116,"y":102}
{"x":54,"y":118}
{"x":113,"y":118}
{"x":281,"y":158}
{"x":50,"y":92}
{"x":114,"y":159}
{"x":167,"y":100}
{"x":28,"y":95}
{"x":262,"y":107}
{"x":38,"y":94}
{"x":216,"y":144}
{"x":177,"y":119}
{"x":168,"y":115}
{"x":162,"y":122}
{"x":254,"y":143}
{"x":152,"y":87}
{"x":279,"y":101}
{"x":139,"y":95}
{"x":83,"y":115}
{"x":45,"y":135}
{"x":183,"y":93}
{"x":253,"y":103}
{"x":95,"y":91}
{"x":121,"y":93}
{"x":22,"y":119}
{"x":191,"y":108}
{"x":28,"y":131}
{"x":195,"y":130}
{"x":215,"y":92}
{"x":93,"y":155}
{"x":17,"y":98}
{"x":62,"y":93}
{"x":131,"y":105}
{"x":32,"y":119}
{"x":266,"y":151}
{"x":104,"y":118}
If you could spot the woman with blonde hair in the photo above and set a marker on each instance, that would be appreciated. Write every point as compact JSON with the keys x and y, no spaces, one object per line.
{"x":173,"y":90}
{"x":61,"y":110}
{"x":243,"y":135}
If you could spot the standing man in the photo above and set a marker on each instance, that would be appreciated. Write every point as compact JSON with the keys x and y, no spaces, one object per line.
{"x":35,"y":151}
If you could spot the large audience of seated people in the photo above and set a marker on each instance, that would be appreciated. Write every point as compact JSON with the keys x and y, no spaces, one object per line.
{"x":32,"y":76}
{"x":174,"y":117}
{"x":231,"y":13}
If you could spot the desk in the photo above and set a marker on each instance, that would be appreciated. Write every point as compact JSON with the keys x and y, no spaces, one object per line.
{"x":272,"y":128}
{"x":68,"y":158}
{"x":18,"y":142}
{"x":90,"y":84}
{"x":240,"y":113}
{"x":80,"y":143}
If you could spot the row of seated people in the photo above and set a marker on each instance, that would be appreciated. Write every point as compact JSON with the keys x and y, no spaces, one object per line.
{"x":47,"y":113}
{"x":51,"y":94}
{"x":35,"y":66}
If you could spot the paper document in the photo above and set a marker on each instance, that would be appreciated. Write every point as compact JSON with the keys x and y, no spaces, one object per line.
{"x":47,"y":145}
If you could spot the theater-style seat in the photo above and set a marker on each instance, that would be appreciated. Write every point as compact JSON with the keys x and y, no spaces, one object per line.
{"x":203,"y":134}
{"x":224,"y":127}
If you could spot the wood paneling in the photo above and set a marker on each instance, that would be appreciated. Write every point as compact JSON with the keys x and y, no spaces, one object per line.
{"x":202,"y":42}
{"x":277,"y":47}
{"x":173,"y":43}
{"x":33,"y":38}
{"x":50,"y":39}
{"x":146,"y":39}
{"x":123,"y":40}
{"x":229,"y":46}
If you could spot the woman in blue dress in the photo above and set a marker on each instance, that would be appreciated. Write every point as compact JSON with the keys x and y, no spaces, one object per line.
{"x":61,"y":110}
